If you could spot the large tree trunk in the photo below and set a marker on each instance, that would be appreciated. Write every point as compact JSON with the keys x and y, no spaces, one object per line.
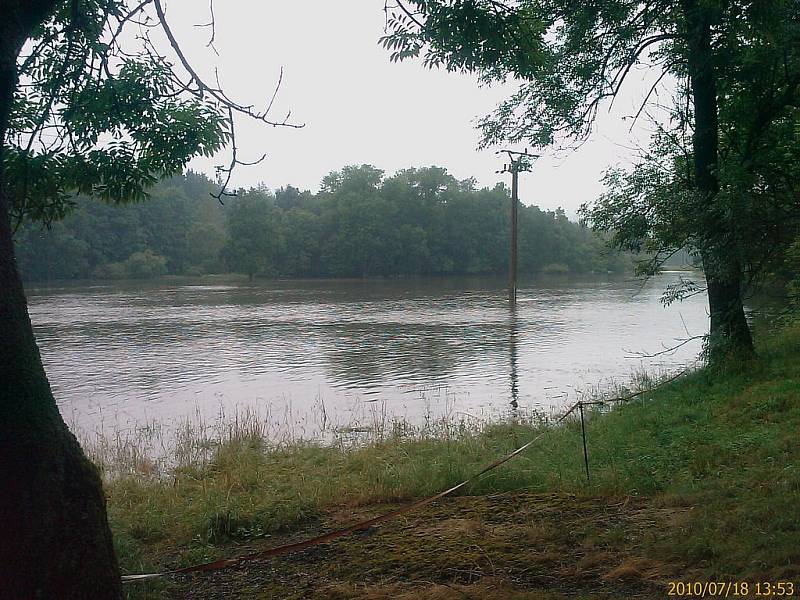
{"x":730,"y":333}
{"x":55,"y":542}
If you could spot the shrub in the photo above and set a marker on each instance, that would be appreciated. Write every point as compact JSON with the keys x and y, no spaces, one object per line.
{"x":114,"y":270}
{"x":143,"y":265}
{"x":555,"y":268}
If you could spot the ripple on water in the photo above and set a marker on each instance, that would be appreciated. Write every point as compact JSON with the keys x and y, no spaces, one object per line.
{"x":119,"y":353}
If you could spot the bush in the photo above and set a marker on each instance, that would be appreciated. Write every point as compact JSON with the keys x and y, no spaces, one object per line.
{"x":143,"y":265}
{"x":555,"y":268}
{"x":114,"y":270}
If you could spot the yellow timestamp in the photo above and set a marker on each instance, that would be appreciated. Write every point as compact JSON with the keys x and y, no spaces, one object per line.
{"x":731,"y":589}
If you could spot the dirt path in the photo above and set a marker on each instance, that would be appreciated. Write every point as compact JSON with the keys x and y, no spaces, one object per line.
{"x":514,"y":545}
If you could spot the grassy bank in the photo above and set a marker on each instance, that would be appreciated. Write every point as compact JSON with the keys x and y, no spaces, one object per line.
{"x":697,"y":479}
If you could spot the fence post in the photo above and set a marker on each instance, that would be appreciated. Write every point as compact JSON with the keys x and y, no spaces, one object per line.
{"x":585,"y":451}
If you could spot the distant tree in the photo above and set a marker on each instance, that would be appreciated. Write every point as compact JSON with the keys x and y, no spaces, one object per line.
{"x":56,"y":254}
{"x":413,"y":254}
{"x":355,"y":211}
{"x":302,"y":245}
{"x":85,"y":108}
{"x":165,"y":219}
{"x":205,"y":243}
{"x":287,"y":197}
{"x":254,"y":234}
{"x":180,"y":222}
{"x":145,"y":265}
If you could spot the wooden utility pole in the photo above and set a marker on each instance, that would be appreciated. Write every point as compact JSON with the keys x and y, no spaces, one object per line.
{"x":512,"y":256}
{"x":518,"y":161}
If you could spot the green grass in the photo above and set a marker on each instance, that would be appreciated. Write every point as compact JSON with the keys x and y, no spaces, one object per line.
{"x":720,"y":447}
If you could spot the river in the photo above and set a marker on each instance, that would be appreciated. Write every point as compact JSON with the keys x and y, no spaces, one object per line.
{"x":310,"y":355}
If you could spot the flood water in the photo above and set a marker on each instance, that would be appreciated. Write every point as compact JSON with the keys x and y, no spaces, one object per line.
{"x":311,"y":353}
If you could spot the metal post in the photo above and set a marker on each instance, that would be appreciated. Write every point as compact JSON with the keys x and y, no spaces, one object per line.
{"x":512,"y":261}
{"x":585,"y":451}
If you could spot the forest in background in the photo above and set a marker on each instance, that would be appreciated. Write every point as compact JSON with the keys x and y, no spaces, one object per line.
{"x":360,"y":224}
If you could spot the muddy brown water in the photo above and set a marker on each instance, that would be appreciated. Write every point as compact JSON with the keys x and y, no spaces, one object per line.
{"x":310,"y":355}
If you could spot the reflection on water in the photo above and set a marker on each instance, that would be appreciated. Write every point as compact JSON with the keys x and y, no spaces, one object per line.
{"x":513,"y":332}
{"x":123,"y":354}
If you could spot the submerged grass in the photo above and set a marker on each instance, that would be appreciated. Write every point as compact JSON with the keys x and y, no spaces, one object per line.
{"x":708,"y":466}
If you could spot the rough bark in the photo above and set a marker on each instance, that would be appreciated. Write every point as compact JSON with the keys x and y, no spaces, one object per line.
{"x":54,"y":537}
{"x":730,"y":333}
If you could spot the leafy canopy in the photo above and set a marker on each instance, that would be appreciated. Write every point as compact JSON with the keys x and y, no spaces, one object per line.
{"x":568,"y":56}
{"x":101,"y":110}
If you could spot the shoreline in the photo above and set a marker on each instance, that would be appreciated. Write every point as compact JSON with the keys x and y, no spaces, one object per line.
{"x":697,"y":479}
{"x":223,"y":278}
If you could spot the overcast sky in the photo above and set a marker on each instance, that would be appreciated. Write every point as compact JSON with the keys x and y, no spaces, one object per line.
{"x":358,"y":107}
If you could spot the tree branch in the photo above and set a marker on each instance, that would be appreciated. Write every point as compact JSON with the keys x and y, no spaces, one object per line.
{"x":215,"y":93}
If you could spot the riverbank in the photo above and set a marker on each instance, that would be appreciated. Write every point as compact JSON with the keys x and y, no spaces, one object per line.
{"x":231,"y":278}
{"x":697,"y":480}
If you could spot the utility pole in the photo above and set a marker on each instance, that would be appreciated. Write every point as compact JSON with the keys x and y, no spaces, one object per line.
{"x":512,"y":255}
{"x":518,"y":161}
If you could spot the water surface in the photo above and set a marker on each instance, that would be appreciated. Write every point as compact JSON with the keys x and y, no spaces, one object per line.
{"x":308,"y":353}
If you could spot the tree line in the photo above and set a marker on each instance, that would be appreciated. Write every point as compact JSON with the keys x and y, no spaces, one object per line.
{"x":360,"y":224}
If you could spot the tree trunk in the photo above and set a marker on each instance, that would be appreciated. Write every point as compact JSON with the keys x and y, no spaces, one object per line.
{"x":730,"y":333}
{"x":54,"y":537}
{"x":728,"y":322}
